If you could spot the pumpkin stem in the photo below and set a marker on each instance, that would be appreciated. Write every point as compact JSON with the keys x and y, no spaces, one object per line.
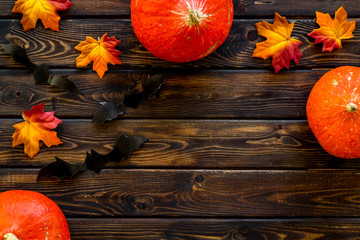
{"x":351,"y":107}
{"x":10,"y":236}
{"x":194,"y":17}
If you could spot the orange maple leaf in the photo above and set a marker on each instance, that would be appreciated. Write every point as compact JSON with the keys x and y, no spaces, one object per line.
{"x":37,"y":126}
{"x":46,"y":10}
{"x":331,"y":32}
{"x":100,"y":52}
{"x":278,"y":44}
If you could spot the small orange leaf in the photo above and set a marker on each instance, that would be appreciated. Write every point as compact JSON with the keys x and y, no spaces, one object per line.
{"x":37,"y":126}
{"x":278,"y":44}
{"x":46,"y":10}
{"x":100,"y":52}
{"x":331,"y":32}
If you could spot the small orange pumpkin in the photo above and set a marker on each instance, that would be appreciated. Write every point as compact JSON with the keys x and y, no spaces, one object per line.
{"x":333,"y":114}
{"x":181,"y":30}
{"x":28,"y":215}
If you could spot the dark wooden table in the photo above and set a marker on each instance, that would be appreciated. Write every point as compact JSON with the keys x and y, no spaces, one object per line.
{"x":230,"y":154}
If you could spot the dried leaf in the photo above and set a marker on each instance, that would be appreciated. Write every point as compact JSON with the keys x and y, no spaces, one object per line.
{"x":46,"y":10}
{"x":279,"y":43}
{"x":100,"y":52}
{"x":331,"y":32}
{"x":37,"y":126}
{"x":94,"y":161}
{"x":109,"y":111}
{"x":40,"y":72}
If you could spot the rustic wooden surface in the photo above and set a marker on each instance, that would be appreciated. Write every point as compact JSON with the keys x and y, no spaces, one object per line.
{"x":230,"y":154}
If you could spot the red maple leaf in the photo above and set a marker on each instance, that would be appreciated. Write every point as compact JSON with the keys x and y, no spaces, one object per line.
{"x":37,"y":126}
{"x":331,"y":32}
{"x":279,"y":45}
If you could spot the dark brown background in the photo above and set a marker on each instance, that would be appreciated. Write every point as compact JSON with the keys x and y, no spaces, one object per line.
{"x":230,"y":154}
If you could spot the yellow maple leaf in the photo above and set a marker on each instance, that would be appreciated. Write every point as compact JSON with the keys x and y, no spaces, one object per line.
{"x":46,"y":10}
{"x":100,"y":52}
{"x":278,"y":44}
{"x":37,"y":126}
{"x":331,"y":32}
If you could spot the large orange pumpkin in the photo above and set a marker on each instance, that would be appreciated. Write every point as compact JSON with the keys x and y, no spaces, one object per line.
{"x":333,"y":114}
{"x":28,"y":215}
{"x":181,"y":30}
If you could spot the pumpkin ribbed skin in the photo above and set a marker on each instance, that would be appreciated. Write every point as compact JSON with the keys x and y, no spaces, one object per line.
{"x":167,"y":30}
{"x":332,"y":111}
{"x":31,"y":216}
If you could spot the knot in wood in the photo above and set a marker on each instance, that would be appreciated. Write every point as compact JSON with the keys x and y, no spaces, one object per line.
{"x":199,"y":178}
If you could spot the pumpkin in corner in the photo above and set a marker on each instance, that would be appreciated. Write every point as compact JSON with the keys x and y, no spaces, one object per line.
{"x":181,"y":30}
{"x":28,"y":215}
{"x":333,"y":111}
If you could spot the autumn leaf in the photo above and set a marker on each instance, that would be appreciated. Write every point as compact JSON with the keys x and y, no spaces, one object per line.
{"x":46,"y":10}
{"x":37,"y":126}
{"x":331,"y":32}
{"x":278,"y":44}
{"x":100,"y":52}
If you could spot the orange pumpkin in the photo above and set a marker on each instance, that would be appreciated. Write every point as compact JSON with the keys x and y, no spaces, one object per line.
{"x":332,"y":111}
{"x":28,"y":215}
{"x":181,"y":30}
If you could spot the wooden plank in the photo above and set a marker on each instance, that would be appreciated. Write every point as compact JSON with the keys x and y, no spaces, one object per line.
{"x":223,"y":144}
{"x":57,"y":48}
{"x":88,"y":8}
{"x":242,"y":8}
{"x":209,"y":229}
{"x":293,"y":8}
{"x":206,"y":94}
{"x":200,"y":193}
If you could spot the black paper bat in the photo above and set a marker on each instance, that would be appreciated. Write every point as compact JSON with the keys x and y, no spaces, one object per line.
{"x":109,"y":111}
{"x":94,"y":161}
{"x":41,"y":72}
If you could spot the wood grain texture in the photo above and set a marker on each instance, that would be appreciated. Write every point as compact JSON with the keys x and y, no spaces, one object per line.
{"x":230,"y":154}
{"x":80,"y":8}
{"x":293,"y":8}
{"x":209,"y":144}
{"x":209,"y":229}
{"x":206,"y":94}
{"x":200,"y":193}
{"x":155,"y":229}
{"x":242,"y":8}
{"x":57,"y":48}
